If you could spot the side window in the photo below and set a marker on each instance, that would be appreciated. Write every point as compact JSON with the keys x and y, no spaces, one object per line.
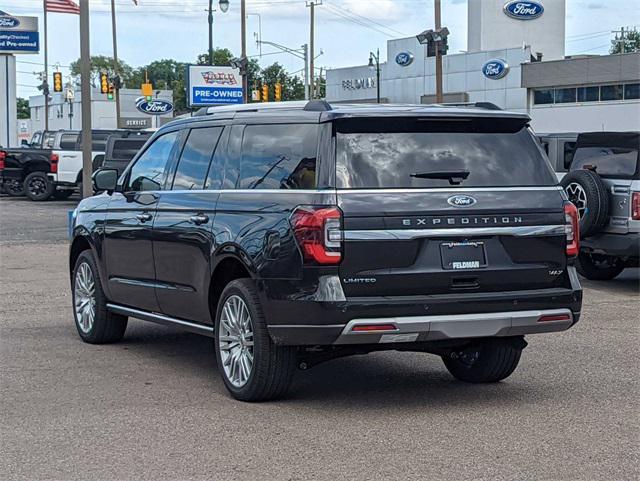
{"x":568,"y":151}
{"x":195,"y":157}
{"x":149,"y":170}
{"x":216,"y":171}
{"x":99,"y":141}
{"x":68,"y":141}
{"x":232,"y":159}
{"x":279,"y":157}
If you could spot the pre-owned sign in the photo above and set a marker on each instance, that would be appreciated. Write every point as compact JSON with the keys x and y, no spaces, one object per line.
{"x":19,"y":34}
{"x":213,"y":85}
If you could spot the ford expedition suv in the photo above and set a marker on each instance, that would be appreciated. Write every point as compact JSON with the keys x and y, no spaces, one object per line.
{"x":295,"y":233}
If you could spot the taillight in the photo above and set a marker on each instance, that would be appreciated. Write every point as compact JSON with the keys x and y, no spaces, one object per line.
{"x":554,"y":317}
{"x":572,"y":228}
{"x":635,"y":206}
{"x":54,"y":163}
{"x":3,"y":155}
{"x":317,"y":230}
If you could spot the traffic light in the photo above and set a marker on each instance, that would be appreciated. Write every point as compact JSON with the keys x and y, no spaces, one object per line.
{"x":110,"y":91}
{"x":265,"y":93}
{"x":147,"y":90}
{"x":278,"y":92}
{"x":57,"y":81}
{"x":104,"y":83}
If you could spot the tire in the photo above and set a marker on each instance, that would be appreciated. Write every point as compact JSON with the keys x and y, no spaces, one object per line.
{"x":14,"y":188}
{"x":489,"y":361}
{"x":38,"y":187}
{"x":588,"y":193}
{"x":599,"y":267}
{"x":104,"y":326}
{"x":272,"y":367}
{"x":62,"y":194}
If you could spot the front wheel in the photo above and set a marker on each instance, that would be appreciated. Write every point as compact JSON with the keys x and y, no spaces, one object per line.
{"x":38,"y":187}
{"x":599,"y":267}
{"x":252,"y":367}
{"x":484,"y":362}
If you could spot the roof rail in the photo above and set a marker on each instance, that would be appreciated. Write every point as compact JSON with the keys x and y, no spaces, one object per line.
{"x":479,"y":105}
{"x":310,"y":106}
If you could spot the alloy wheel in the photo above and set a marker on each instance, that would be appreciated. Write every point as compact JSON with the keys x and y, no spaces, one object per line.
{"x":37,"y":186}
{"x":235,"y":341}
{"x":84,"y":297}
{"x":578,"y":197}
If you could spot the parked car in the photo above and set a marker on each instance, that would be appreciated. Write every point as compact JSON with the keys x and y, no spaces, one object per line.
{"x":604,"y":183}
{"x":120,"y":150}
{"x":28,"y":170}
{"x":295,"y":233}
{"x":559,"y":148}
{"x":40,"y":139}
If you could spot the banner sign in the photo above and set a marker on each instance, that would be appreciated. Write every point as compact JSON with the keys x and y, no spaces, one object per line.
{"x":213,"y":85}
{"x":19,"y":34}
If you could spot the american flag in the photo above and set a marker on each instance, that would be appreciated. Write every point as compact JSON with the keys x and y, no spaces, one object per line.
{"x":62,"y":6}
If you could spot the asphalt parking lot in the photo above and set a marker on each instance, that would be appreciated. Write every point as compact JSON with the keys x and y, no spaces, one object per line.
{"x":154,"y":407}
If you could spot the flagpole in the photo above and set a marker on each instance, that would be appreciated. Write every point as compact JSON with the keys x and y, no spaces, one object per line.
{"x":45,"y":90}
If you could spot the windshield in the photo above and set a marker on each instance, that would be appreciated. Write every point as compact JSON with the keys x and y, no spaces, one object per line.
{"x":439,"y":154}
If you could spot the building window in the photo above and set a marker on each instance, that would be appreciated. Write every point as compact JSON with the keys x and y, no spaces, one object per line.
{"x":611,"y":92}
{"x":631,"y":91}
{"x":565,"y":96}
{"x":544,"y":96}
{"x":588,"y":94}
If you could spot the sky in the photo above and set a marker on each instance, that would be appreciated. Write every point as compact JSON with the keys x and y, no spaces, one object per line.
{"x":346,"y":30}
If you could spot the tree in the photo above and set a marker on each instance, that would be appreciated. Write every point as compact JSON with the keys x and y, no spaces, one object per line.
{"x":23,"y":108}
{"x":221,"y":57}
{"x":631,"y":42}
{"x":102,"y":63}
{"x":292,"y":86}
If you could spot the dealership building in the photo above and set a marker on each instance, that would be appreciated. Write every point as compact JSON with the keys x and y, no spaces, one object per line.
{"x":516,"y":60}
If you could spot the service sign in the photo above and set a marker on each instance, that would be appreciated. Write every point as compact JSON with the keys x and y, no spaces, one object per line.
{"x":523,"y":10}
{"x":213,"y":85}
{"x":19,"y":34}
{"x":495,"y":69}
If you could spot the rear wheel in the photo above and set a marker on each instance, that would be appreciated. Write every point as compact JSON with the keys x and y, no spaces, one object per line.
{"x":488,"y":361}
{"x":95,"y":323}
{"x":14,"y":188}
{"x":38,"y":187}
{"x":599,"y":267}
{"x":252,"y":367}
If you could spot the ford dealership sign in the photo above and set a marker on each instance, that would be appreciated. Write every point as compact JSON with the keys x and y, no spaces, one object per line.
{"x":404,"y":59}
{"x":523,"y":10}
{"x":154,"y":107}
{"x":495,"y":69}
{"x":9,"y":22}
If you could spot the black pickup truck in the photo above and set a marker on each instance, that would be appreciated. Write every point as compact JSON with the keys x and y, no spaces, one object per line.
{"x":28,"y":171}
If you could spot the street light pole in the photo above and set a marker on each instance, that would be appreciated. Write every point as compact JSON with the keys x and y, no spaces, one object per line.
{"x":243,"y":49}
{"x":115,"y":61}
{"x":376,"y":57}
{"x":85,"y":76}
{"x":210,"y":32}
{"x":437,"y":12}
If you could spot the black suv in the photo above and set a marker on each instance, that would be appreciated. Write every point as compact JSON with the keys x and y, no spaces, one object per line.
{"x":295,"y":233}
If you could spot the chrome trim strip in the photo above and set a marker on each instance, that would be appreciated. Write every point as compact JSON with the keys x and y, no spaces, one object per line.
{"x":409,"y":234}
{"x":456,"y":326}
{"x":162,"y":319}
{"x":445,"y":190}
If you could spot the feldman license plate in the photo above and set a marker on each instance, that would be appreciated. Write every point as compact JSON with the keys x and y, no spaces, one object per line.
{"x":463,"y":255}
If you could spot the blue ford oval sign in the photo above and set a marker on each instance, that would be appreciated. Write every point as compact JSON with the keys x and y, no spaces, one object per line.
{"x":461,"y":200}
{"x":404,"y":58}
{"x":495,"y":69}
{"x":9,"y":22}
{"x":523,"y":10}
{"x":154,"y":107}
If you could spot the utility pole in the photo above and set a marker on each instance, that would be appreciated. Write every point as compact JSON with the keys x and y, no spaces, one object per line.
{"x":437,"y":14}
{"x":243,"y":53}
{"x":312,"y":5}
{"x":115,"y":61}
{"x":621,"y":39}
{"x":305,"y":53}
{"x":85,"y":76}
{"x":45,"y":84}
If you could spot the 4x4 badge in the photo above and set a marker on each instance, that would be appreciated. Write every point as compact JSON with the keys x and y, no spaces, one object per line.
{"x":461,"y":200}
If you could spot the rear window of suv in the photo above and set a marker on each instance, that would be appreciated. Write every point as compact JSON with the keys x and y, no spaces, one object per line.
{"x":621,"y":162}
{"x":407,"y":153}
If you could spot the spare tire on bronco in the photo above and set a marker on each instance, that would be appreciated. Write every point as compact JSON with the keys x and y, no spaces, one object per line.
{"x":588,"y":193}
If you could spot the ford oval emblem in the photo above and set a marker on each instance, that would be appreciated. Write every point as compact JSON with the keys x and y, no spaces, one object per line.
{"x":154,"y":107}
{"x":495,"y":69}
{"x":461,"y":200}
{"x":9,"y":22}
{"x":523,"y":10}
{"x":404,"y":59}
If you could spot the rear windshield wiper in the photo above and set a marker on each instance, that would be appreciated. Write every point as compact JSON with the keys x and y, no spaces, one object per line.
{"x":454,"y":177}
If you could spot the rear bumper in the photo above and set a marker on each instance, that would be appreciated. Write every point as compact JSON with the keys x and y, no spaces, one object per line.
{"x":303,"y":321}
{"x":619,"y":245}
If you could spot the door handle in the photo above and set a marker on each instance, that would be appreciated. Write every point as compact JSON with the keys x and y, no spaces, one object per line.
{"x":145,"y":217}
{"x":199,"y":219}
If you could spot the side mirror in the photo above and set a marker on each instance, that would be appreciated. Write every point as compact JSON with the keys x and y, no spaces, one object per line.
{"x":105,"y":179}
